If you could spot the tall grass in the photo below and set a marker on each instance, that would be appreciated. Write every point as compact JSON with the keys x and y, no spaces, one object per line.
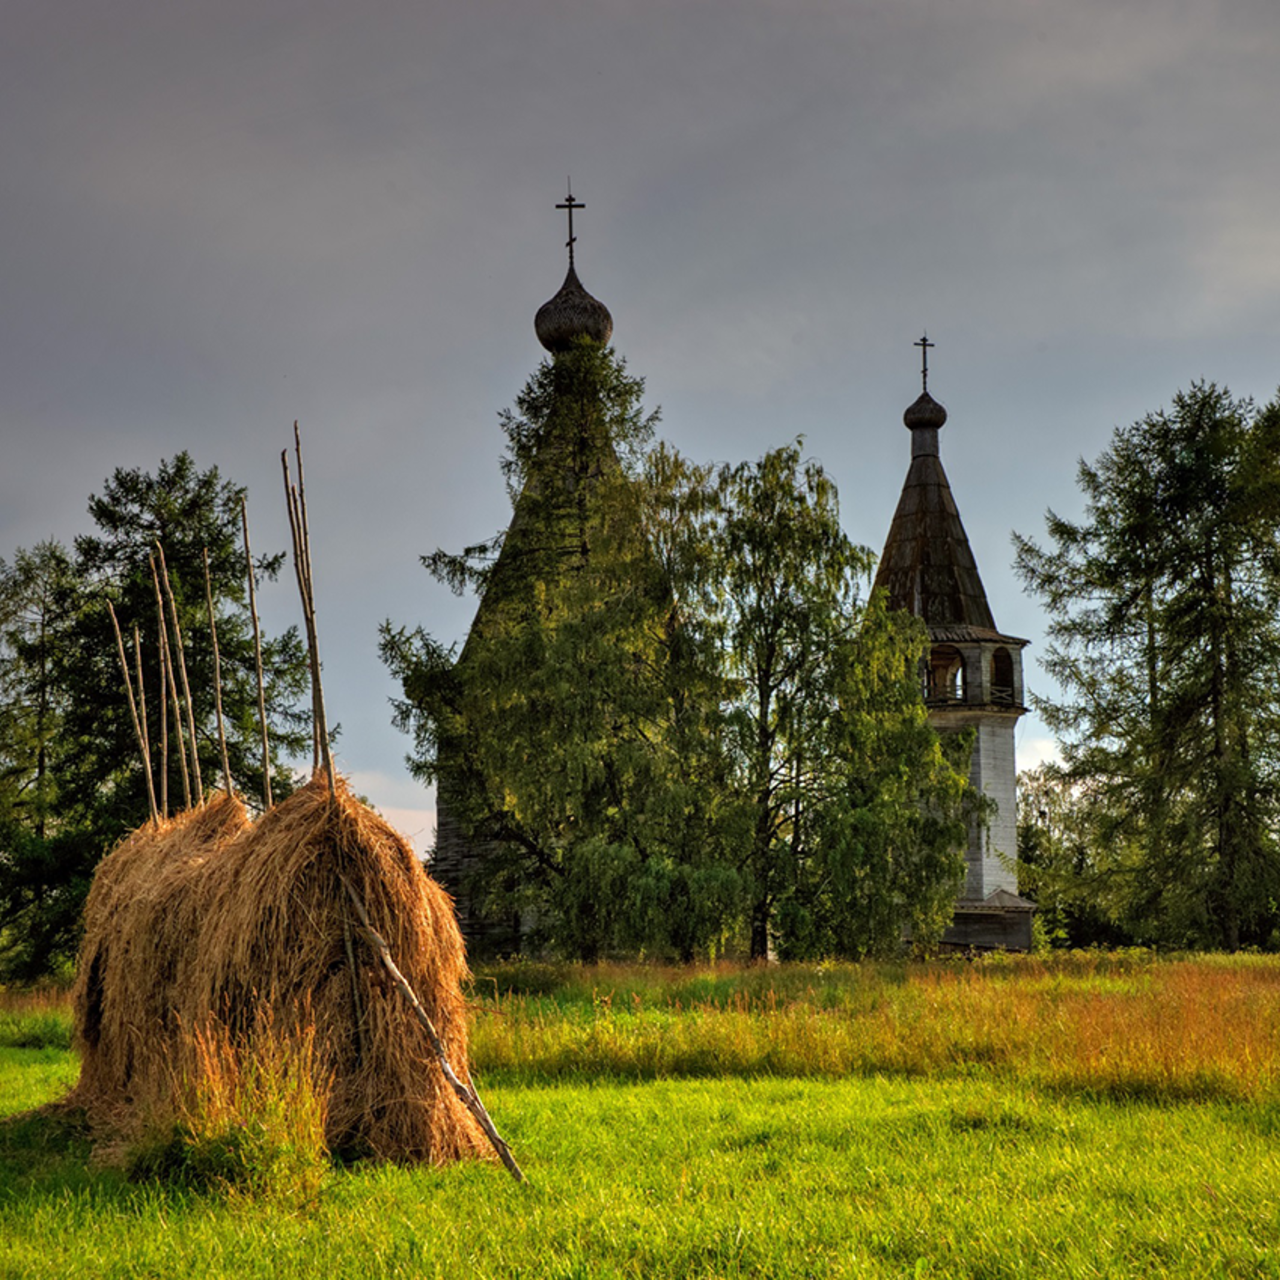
{"x":35,"y":1019}
{"x":1086,"y":1116}
{"x":1125,"y":1025}
{"x":1110,"y":1024}
{"x":248,"y":1117}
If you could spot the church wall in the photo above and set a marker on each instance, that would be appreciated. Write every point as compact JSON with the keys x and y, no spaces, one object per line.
{"x":993,"y":771}
{"x":999,"y":781}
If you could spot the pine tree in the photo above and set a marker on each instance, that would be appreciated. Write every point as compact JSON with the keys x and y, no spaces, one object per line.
{"x":1165,"y":608}
{"x":71,"y":774}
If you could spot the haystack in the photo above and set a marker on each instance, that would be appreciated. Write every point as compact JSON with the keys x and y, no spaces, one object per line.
{"x":140,"y":921}
{"x":210,"y":919}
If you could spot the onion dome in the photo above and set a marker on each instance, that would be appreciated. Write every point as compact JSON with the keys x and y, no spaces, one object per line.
{"x":572,"y":313}
{"x":925,"y":412}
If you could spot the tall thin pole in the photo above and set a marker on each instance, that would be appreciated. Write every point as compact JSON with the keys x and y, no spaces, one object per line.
{"x":301,"y":564}
{"x":142,"y":716}
{"x":133,"y":708}
{"x":299,"y":501}
{"x":295,"y":501}
{"x":217,"y":675}
{"x":167,"y":667}
{"x":182,"y":667}
{"x":257,"y":657}
{"x":164,"y":735}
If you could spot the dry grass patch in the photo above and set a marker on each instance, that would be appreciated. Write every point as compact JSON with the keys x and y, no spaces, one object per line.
{"x":1116,"y":1026}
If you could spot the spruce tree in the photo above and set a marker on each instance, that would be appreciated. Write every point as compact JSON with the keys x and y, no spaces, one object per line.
{"x":556,"y":736}
{"x":1164,"y":603}
{"x":73,"y":781}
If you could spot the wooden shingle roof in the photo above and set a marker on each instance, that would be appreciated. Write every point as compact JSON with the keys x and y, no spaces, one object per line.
{"x":927,"y":566}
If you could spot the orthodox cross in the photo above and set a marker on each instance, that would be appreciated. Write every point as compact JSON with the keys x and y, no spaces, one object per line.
{"x":570,"y":204}
{"x":924,"y":344}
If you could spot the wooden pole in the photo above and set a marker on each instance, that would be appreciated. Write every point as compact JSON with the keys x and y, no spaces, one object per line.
{"x":142,"y":715}
{"x":133,"y":706}
{"x":295,"y":498}
{"x":302,"y":568}
{"x":302,"y":507}
{"x":304,"y":583}
{"x":182,"y":667}
{"x":173,"y":689}
{"x":164,"y":735}
{"x":217,"y":675}
{"x":466,"y":1093}
{"x":299,"y":530}
{"x":257,"y":657}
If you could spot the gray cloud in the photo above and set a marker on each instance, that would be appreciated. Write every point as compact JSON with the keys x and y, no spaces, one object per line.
{"x":219,"y":218}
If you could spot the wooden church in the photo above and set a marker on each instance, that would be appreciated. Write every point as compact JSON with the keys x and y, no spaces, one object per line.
{"x":972,"y":679}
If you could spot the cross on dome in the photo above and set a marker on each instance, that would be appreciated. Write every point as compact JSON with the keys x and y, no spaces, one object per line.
{"x":573,"y":313}
{"x":924,"y":344}
{"x":570,"y":205}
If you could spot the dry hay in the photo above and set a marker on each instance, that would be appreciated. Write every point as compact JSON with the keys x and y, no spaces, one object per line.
{"x":139,"y":921}
{"x":208,"y":918}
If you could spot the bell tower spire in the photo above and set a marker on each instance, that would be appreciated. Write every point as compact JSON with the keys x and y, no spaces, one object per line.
{"x":972,"y":677}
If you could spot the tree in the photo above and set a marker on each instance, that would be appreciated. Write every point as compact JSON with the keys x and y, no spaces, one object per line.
{"x":556,"y":737}
{"x":187,"y":512}
{"x":673,"y":718}
{"x":857,"y":816}
{"x":1058,"y":864}
{"x":71,"y":774}
{"x":1165,"y":626}
{"x":41,"y":883}
{"x":39,"y":600}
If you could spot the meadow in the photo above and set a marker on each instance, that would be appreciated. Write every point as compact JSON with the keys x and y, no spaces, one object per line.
{"x":1080,"y":1115}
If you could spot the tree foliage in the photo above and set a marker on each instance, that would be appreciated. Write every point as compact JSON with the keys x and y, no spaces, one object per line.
{"x":1164,"y":603}
{"x":552,"y":736}
{"x":665,"y":726}
{"x":1079,"y":901}
{"x":856,"y":815}
{"x":71,"y":774}
{"x":42,"y":878}
{"x":186,"y":512}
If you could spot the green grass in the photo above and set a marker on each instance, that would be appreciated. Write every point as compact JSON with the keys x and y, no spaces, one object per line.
{"x":35,"y":1020}
{"x":976,"y":1169}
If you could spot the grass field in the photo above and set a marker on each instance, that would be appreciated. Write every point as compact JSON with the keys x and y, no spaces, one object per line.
{"x":1094,"y":1116}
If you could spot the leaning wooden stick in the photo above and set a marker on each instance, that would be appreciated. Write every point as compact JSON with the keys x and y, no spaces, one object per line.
{"x":166,"y":654}
{"x":133,"y":706}
{"x":142,"y":716}
{"x":466,"y":1093}
{"x":257,"y":658}
{"x":182,"y":668}
{"x":217,"y":675}
{"x":302,"y":567}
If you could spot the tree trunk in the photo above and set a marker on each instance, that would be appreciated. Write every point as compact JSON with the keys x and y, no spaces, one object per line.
{"x":760,"y":930}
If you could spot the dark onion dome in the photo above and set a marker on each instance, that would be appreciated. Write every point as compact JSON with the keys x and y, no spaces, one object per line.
{"x":572,"y":313}
{"x":925,"y":412}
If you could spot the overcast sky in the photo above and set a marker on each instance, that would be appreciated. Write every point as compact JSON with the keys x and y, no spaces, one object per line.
{"x":217,"y":218}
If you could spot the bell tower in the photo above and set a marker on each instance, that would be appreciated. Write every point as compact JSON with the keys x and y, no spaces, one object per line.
{"x":972,"y":678}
